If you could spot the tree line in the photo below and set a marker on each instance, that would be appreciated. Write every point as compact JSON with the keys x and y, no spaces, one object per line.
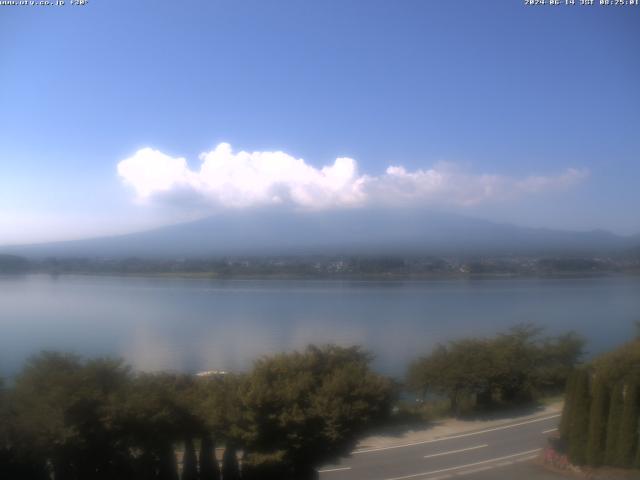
{"x":68,"y":418}
{"x":321,"y":266}
{"x":514,"y":367}
{"x":601,"y":419}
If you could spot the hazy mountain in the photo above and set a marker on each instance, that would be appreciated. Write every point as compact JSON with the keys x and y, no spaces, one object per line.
{"x":356,"y":231}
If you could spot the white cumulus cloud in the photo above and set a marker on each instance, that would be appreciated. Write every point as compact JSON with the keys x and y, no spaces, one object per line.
{"x":150,"y":171}
{"x":247,"y":179}
{"x":447,"y":184}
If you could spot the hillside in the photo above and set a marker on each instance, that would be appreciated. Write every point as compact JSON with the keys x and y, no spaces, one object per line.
{"x":345,"y":232}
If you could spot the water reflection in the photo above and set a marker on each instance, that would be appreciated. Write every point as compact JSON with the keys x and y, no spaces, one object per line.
{"x":191,"y":325}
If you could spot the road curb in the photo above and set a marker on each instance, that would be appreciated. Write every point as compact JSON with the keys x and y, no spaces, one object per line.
{"x":514,"y":421}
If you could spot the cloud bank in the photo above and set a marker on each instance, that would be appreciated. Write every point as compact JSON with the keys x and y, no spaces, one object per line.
{"x":250,"y":179}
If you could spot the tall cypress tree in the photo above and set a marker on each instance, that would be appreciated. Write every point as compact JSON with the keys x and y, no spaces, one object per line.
{"x":230,"y":469}
{"x":167,"y":468}
{"x":628,"y":435}
{"x":598,"y":422}
{"x":189,"y":461}
{"x":636,"y":463}
{"x":565,"y":420}
{"x":579,"y":421}
{"x":613,"y":424}
{"x":209,"y":469}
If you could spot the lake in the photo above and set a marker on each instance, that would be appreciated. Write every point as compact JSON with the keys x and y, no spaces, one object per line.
{"x":198,"y":324}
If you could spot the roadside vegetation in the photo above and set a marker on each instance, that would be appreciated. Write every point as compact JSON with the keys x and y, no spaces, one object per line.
{"x":67,"y":418}
{"x":601,"y":417}
{"x":483,"y":374}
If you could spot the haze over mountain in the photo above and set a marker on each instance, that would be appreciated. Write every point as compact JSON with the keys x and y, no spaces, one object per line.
{"x":379,"y":231}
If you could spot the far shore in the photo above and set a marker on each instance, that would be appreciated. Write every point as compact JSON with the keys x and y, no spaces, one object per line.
{"x":391,"y":277}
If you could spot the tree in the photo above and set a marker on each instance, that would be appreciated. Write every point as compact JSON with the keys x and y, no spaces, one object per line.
{"x":158,"y":412}
{"x":579,"y":420}
{"x":230,"y":469}
{"x":189,"y":461}
{"x":209,"y":469}
{"x":308,"y":407}
{"x":167,"y":468}
{"x":557,"y":358}
{"x":621,"y":364}
{"x":426,"y":375}
{"x":221,"y":406}
{"x":636,"y":462}
{"x":598,"y":422}
{"x":628,"y":435}
{"x":517,"y":358}
{"x":461,"y":369}
{"x":565,"y":419}
{"x":509,"y":368}
{"x":16,"y":459}
{"x":63,"y":409}
{"x":614,"y":423}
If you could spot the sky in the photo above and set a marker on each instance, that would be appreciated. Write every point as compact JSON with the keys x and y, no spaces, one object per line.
{"x":119,"y":116}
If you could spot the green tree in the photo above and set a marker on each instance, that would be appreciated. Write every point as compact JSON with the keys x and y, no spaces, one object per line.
{"x":517,"y":356}
{"x":230,"y":469}
{"x":557,"y":358}
{"x":426,"y":374}
{"x":460,"y":370}
{"x":221,"y":406}
{"x":64,"y":410}
{"x":621,"y":364}
{"x":17,"y":460}
{"x":579,"y":420}
{"x":628,"y":434}
{"x":157,"y":413}
{"x":614,"y":423}
{"x":567,"y":412}
{"x":636,"y":462}
{"x":167,"y":467}
{"x":598,"y":422}
{"x":209,"y":468}
{"x":310,"y":406}
{"x":509,"y":368}
{"x":189,"y":461}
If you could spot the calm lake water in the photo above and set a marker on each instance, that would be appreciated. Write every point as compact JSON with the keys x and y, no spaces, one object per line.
{"x":193,"y":324}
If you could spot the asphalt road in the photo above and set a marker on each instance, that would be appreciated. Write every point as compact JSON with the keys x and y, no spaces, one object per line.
{"x":472,"y":455}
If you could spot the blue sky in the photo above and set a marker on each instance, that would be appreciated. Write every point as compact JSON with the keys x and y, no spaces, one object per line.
{"x":528,"y":115}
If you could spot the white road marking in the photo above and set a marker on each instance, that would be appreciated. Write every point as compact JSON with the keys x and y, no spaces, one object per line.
{"x":491,"y":467}
{"x":464,"y":466}
{"x":503,"y":427}
{"x":456,"y":451}
{"x":550,"y":430}
{"x":476,"y":470}
{"x":339,"y":469}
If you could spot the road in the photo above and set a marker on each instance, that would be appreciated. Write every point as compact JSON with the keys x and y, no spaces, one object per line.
{"x":471,"y":454}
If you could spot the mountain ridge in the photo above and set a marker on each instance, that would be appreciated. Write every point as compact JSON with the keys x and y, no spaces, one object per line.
{"x":372,"y":232}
